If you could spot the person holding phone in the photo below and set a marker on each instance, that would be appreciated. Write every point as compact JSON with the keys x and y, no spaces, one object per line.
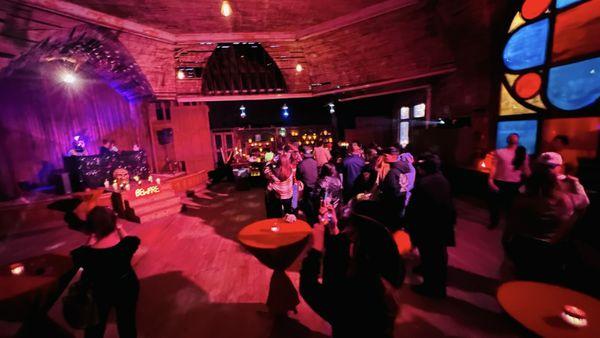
{"x":106,"y":263}
{"x":352,"y":296}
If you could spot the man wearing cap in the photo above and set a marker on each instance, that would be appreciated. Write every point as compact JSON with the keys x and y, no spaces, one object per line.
{"x":394,"y":187}
{"x":431,"y":217}
{"x":568,"y":184}
{"x":306,"y":172}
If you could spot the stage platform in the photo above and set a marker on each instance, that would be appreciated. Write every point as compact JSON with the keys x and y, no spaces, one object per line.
{"x":40,"y":211}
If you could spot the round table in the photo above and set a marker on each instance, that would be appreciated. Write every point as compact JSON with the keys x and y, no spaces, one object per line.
{"x":538,"y":307}
{"x":277,"y":250}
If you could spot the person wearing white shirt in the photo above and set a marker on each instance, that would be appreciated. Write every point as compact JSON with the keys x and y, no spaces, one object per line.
{"x":509,"y":166}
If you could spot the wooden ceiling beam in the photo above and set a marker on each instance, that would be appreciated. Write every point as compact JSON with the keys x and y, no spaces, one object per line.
{"x":355,"y":17}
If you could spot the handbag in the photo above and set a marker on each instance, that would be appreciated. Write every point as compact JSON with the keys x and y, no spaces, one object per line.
{"x":79,"y":306}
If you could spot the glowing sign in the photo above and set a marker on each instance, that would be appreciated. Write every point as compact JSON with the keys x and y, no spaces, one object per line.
{"x":147,"y":191}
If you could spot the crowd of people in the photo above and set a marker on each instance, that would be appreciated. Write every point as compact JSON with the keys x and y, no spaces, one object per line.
{"x":542,"y":201}
{"x":355,"y":201}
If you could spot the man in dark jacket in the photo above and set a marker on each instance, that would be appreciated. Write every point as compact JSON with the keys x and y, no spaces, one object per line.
{"x":307,"y":173}
{"x":352,"y":167}
{"x":394,"y":188}
{"x":431,"y":217}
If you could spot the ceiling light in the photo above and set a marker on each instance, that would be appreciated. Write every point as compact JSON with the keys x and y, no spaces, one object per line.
{"x":284,"y":111}
{"x":299,"y":68}
{"x":68,"y":77}
{"x":180,"y":74}
{"x":226,"y":9}
{"x":243,"y":112}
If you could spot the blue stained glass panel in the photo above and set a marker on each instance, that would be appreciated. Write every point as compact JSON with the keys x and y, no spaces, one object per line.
{"x":565,"y":3}
{"x":526,"y":48}
{"x":527,"y":130}
{"x":576,"y":85}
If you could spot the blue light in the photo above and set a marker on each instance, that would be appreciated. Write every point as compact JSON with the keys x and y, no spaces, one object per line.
{"x":284,"y":111}
{"x":526,"y":48}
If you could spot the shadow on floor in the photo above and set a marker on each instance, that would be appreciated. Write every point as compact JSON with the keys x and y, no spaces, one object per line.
{"x":173,"y":306}
{"x":226,"y":209}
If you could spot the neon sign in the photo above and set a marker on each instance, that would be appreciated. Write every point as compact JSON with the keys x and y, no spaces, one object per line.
{"x":147,"y":191}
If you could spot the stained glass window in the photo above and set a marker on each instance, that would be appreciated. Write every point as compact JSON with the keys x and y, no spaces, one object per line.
{"x":552,"y":58}
{"x":527,"y":130}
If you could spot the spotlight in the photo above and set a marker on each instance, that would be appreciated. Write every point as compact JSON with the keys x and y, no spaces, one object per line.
{"x":180,"y":74}
{"x":243,"y":112}
{"x":68,"y":77}
{"x":226,"y":9}
{"x":299,"y":68}
{"x":284,"y":111}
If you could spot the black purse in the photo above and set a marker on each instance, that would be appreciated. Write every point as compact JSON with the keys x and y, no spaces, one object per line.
{"x":79,"y":307}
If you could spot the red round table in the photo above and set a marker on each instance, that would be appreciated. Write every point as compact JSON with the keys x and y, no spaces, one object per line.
{"x":538,"y":306}
{"x":277,"y":250}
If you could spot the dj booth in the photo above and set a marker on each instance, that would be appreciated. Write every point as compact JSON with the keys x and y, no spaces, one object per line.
{"x":92,"y":171}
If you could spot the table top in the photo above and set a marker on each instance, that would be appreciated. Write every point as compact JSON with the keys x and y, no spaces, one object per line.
{"x":538,"y":307}
{"x":259,"y":235}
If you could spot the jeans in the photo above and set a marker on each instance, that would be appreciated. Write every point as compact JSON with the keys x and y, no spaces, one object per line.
{"x":501,"y":200}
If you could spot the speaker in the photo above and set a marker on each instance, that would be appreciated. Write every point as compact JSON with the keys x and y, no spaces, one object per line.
{"x":165,"y":136}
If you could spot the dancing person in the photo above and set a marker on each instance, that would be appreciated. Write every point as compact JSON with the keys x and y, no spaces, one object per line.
{"x":352,"y":167}
{"x":307,"y":173}
{"x":329,"y":187}
{"x":541,"y":219}
{"x":505,"y":177}
{"x":106,"y":263}
{"x":322,"y":154}
{"x":280,"y":189}
{"x":411,"y":175}
{"x":431,"y":217}
{"x":355,"y":261}
{"x":394,"y":188}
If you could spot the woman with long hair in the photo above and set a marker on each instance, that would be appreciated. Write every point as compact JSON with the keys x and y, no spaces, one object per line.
{"x":280,"y":189}
{"x":538,"y":224}
{"x":106,"y":263}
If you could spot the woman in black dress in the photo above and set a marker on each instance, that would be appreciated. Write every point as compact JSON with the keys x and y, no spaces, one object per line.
{"x":106,"y":263}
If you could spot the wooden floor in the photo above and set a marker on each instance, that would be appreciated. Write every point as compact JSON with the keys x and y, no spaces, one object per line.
{"x":197,"y":281}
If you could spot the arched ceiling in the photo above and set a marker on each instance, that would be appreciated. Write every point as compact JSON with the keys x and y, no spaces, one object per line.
{"x":179,"y":17}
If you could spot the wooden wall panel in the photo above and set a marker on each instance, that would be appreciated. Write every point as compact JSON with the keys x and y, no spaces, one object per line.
{"x":191,"y":137}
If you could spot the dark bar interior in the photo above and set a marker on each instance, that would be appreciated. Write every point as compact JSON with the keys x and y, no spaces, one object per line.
{"x":262,"y":168}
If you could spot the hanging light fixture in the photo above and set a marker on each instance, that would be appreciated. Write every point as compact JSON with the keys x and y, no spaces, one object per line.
{"x":284,"y":111}
{"x":180,"y":74}
{"x":331,"y":107}
{"x":243,"y":112}
{"x":299,"y":68}
{"x":226,"y":9}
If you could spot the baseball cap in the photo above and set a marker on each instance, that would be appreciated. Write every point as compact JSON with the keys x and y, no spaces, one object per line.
{"x":551,"y":159}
